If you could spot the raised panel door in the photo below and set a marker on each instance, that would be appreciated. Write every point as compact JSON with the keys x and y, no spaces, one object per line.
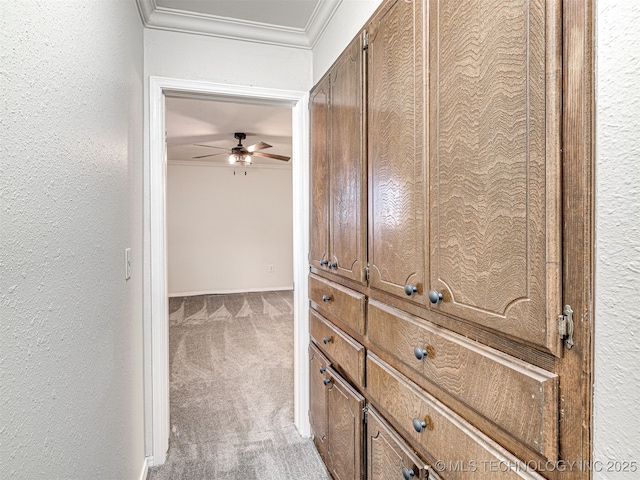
{"x":318,"y":399}
{"x":345,"y":431}
{"x":319,"y":172}
{"x":347,"y":241}
{"x":494,"y":165}
{"x":396,"y":149}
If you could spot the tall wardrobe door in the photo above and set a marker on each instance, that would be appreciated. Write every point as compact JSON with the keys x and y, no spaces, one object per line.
{"x":396,"y":150}
{"x":494,"y":165}
{"x":319,"y":214}
{"x":347,"y":243}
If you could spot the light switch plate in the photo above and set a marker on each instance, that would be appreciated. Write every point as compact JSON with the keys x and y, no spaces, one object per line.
{"x":127,"y":263}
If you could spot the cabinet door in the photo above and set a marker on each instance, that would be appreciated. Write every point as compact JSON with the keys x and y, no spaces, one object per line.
{"x":396,"y":149}
{"x":388,"y":456}
{"x":494,"y":177}
{"x":347,"y":244}
{"x":345,"y":432}
{"x":318,"y":399}
{"x":319,"y":201}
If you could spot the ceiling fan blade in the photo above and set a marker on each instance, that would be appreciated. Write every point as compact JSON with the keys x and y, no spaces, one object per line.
{"x":258,"y":146}
{"x":214,"y":155}
{"x":270,"y":155}
{"x":209,"y":146}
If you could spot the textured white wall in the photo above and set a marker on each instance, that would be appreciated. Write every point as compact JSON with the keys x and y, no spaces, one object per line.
{"x":345,"y":24}
{"x":223,"y":230}
{"x":617,"y":316}
{"x":71,"y":200}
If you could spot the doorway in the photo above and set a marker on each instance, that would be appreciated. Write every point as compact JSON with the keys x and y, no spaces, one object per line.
{"x":155,"y":288}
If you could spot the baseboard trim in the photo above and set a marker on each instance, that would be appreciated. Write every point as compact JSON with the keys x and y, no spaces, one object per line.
{"x":240,"y":290}
{"x":145,"y":467}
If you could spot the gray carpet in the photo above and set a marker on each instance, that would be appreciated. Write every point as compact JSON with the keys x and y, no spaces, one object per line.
{"x":231,"y":391}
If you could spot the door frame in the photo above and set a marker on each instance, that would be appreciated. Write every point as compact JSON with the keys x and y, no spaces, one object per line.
{"x":156,"y":315}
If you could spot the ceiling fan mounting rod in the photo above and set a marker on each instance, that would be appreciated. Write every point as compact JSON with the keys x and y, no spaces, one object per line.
{"x":240,"y":136}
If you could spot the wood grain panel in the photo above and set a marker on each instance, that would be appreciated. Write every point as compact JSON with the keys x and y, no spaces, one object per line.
{"x":447,"y":437}
{"x":346,"y":430}
{"x":396,"y":148}
{"x":319,"y":173}
{"x":342,"y":303}
{"x":516,"y":396}
{"x":388,"y":453}
{"x":318,"y":365}
{"x":344,"y":350}
{"x":495,"y":167}
{"x":347,"y":242}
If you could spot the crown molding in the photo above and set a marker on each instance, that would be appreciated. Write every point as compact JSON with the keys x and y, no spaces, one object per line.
{"x":202,"y":24}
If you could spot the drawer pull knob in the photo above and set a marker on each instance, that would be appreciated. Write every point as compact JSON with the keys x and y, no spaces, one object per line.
{"x":420,"y":353}
{"x":326,"y":340}
{"x":324,"y":263}
{"x":326,"y":298}
{"x":326,"y":381}
{"x":332,"y":265}
{"x":410,"y":289}
{"x":419,"y":425}
{"x":407,"y":473}
{"x":435,"y":296}
{"x":323,"y":369}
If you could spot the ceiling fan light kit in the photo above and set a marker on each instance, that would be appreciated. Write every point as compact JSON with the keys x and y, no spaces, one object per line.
{"x":241,"y":155}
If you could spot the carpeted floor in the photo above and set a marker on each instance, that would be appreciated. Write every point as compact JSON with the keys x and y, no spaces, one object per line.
{"x":231,"y":384}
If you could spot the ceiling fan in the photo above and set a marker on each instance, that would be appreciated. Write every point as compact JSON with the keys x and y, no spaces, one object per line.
{"x":241,"y":155}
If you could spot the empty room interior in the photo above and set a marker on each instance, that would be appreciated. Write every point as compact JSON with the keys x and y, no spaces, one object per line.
{"x":319,"y":239}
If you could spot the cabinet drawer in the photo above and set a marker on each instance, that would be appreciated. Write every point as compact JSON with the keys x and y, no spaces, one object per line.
{"x":480,"y":377}
{"x":389,"y":456}
{"x":345,"y":351}
{"x":344,"y":304}
{"x":445,"y":438}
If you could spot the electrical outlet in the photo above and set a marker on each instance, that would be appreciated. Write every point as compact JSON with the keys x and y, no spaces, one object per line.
{"x":127,"y":263}
{"x":271,"y":268}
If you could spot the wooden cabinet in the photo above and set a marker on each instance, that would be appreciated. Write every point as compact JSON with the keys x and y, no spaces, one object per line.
{"x":396,"y":155}
{"x":473,"y":237}
{"x":338,"y":169}
{"x":336,"y":416}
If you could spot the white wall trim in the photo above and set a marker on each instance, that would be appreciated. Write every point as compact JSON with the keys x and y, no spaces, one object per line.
{"x":163,"y":18}
{"x":239,"y":290}
{"x":145,"y":469}
{"x":157,"y":354}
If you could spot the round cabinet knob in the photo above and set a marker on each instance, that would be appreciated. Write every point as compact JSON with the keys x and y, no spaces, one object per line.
{"x":410,"y":289}
{"x":326,"y":381}
{"x":332,"y":265}
{"x":326,"y":298}
{"x":434,"y":296}
{"x":407,"y":473}
{"x":323,"y":369}
{"x":419,"y":425}
{"x":419,"y":352}
{"x":326,"y":340}
{"x":324,"y":263}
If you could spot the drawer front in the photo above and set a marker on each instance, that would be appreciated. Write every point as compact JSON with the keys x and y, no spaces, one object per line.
{"x":344,"y":350}
{"x":456,"y":447}
{"x":343,"y":303}
{"x":388,"y":455}
{"x":518,"y":397}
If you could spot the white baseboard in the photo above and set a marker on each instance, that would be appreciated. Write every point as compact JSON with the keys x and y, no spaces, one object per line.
{"x":145,"y":467}
{"x":240,"y":290}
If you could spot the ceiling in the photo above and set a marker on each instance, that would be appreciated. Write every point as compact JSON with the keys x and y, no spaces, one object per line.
{"x":191,"y":121}
{"x":292,"y":23}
